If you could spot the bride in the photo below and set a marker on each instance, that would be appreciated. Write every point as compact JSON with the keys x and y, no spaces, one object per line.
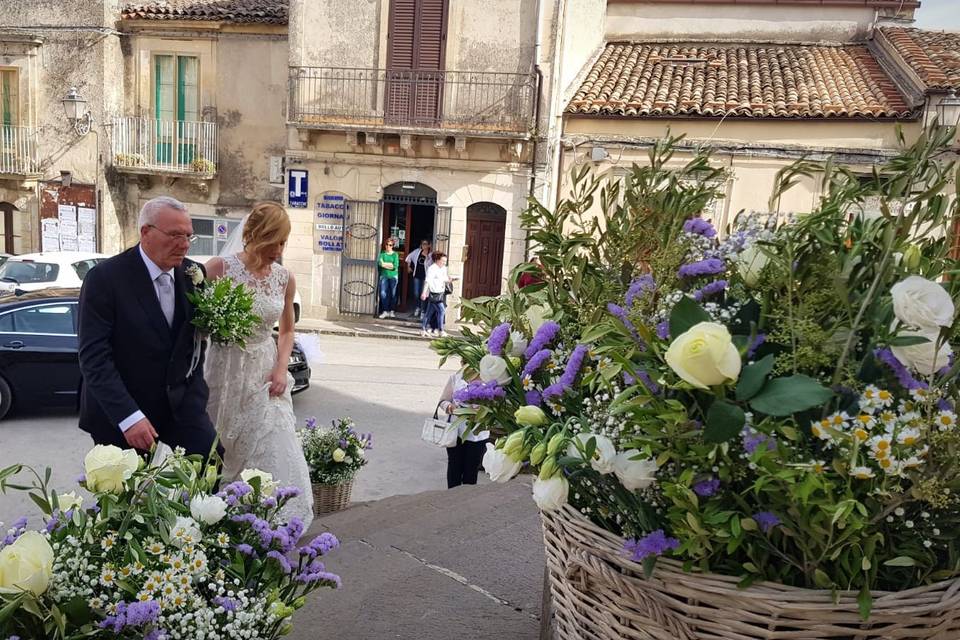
{"x":250,"y":401}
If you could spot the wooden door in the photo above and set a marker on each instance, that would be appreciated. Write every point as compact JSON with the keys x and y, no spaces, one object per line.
{"x":483,"y":269}
{"x":415,"y":58}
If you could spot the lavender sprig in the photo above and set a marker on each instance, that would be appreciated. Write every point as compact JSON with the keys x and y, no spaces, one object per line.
{"x":498,"y":339}
{"x":544,"y":336}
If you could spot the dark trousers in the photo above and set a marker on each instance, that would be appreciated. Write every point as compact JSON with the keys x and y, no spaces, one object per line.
{"x":463,"y":463}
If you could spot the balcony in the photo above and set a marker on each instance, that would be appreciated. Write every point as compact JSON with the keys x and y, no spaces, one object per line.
{"x":425,"y":102}
{"x":166,"y":147}
{"x":18,"y":151}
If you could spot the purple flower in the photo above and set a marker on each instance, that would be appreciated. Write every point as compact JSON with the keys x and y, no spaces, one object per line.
{"x":638,"y":287}
{"x":228,"y":604}
{"x":707,"y":267}
{"x":621,"y":314}
{"x":141,"y":613}
{"x":574,"y":364}
{"x":269,"y":503}
{"x":663,"y":330}
{"x":707,"y":487}
{"x":238,"y":488}
{"x":312,"y":422}
{"x":906,"y":380}
{"x":758,"y":340}
{"x":766,"y":520}
{"x":53,"y":523}
{"x":156,"y":634}
{"x":246,"y":549}
{"x":652,"y":544}
{"x":533,"y":397}
{"x":284,"y":493}
{"x":478,"y":391}
{"x":498,"y":339}
{"x":330,"y":579}
{"x":700,"y":227}
{"x":715,"y":287}
{"x":648,"y":382}
{"x":544,"y":336}
{"x":753,"y":440}
{"x":16,"y":530}
{"x":81,"y":478}
{"x":281,"y":560}
{"x":321,"y":545}
{"x":534,"y":364}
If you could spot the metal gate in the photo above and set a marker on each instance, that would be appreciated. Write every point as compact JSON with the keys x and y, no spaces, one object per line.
{"x":358,"y":262}
{"x":441,"y":230}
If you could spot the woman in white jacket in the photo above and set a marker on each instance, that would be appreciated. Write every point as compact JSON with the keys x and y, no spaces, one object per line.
{"x":435,"y":295}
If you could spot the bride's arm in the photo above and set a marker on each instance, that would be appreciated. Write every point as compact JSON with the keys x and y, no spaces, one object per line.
{"x":215,"y":268}
{"x":278,"y":377}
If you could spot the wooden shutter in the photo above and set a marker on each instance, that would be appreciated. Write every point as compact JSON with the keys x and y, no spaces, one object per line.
{"x":402,"y":34}
{"x":415,"y":59}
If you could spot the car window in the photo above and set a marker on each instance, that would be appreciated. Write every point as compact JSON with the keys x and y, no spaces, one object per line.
{"x":54,"y":319}
{"x":28,"y":272}
{"x":6,"y":323}
{"x":84,"y":266}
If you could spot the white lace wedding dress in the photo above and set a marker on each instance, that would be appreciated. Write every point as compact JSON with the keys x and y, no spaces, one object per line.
{"x":256,"y":430}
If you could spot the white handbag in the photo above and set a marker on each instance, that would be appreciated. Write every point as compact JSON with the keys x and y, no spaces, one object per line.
{"x":442,"y":433}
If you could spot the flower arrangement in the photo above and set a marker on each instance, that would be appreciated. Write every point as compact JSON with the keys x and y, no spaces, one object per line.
{"x":335,"y":454}
{"x":777,"y":402}
{"x":159,"y":555}
{"x":223,"y":310}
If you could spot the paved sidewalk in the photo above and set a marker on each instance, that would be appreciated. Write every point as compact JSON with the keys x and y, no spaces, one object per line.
{"x":464,"y":564}
{"x":368,"y":327}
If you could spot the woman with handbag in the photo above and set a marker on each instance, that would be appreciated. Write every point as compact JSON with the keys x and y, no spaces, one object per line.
{"x":463,"y":459}
{"x":435,"y":289}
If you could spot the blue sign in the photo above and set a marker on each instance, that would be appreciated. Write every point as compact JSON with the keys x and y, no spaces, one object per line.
{"x":297,"y":188}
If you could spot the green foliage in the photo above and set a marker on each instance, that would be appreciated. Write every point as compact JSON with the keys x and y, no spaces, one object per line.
{"x":335,"y":454}
{"x":224,"y":311}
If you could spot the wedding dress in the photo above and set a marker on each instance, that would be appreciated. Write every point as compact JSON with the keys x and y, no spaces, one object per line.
{"x":256,"y":430}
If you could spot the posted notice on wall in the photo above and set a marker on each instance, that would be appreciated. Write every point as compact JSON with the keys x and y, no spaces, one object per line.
{"x":328,"y":223}
{"x":50,"y":234}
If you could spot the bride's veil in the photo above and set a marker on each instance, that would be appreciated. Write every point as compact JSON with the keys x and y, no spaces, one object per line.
{"x":234,"y":242}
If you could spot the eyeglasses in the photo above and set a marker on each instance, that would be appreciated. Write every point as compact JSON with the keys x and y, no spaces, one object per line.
{"x":191,"y":238}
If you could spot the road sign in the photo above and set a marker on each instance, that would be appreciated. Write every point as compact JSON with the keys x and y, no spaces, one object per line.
{"x":297,"y":188}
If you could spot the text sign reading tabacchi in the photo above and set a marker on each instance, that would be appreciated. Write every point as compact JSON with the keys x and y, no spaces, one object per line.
{"x":328,"y":222}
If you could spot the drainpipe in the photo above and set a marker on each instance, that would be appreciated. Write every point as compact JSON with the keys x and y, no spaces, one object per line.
{"x":556,"y":109}
{"x":537,"y":45}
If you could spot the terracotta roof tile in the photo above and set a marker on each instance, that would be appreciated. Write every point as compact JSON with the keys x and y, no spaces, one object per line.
{"x":237,"y":11}
{"x":750,"y":80}
{"x":933,"y":55}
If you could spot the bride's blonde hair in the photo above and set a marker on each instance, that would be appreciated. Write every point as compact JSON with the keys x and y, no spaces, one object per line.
{"x":268,"y":224}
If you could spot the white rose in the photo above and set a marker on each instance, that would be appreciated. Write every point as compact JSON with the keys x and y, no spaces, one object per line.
{"x":27,"y":564}
{"x":494,"y":368}
{"x":267,"y":484}
{"x":68,"y":501}
{"x":920,"y":303}
{"x":751,"y":263}
{"x":704,"y":355}
{"x":196,"y":275}
{"x":208,"y":509}
{"x":536,"y":316}
{"x":518,"y":343}
{"x":924,"y":358}
{"x":603,"y":454}
{"x":498,"y":465}
{"x":339,"y":455}
{"x":551,"y":494}
{"x":185,"y":531}
{"x":634,"y":474}
{"x":107,"y":467}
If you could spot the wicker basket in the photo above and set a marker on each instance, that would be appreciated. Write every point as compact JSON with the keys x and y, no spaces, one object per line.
{"x":328,"y":498}
{"x":600,"y":594}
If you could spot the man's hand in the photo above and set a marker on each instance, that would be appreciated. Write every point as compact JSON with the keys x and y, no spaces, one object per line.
{"x":141,"y":435}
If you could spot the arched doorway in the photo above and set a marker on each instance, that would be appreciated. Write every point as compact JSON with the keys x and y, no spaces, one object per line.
{"x":10,"y":234}
{"x":483,"y":260}
{"x":411,"y":215}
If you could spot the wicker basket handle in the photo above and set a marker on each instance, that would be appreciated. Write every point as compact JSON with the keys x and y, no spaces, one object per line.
{"x":589,"y":571}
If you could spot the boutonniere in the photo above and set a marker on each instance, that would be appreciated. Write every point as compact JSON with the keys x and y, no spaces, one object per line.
{"x":195,"y":274}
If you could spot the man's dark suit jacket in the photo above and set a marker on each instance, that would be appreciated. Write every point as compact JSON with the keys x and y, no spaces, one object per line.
{"x":131,"y":360}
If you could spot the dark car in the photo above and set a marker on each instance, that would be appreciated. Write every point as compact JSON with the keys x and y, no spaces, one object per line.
{"x":38,"y":351}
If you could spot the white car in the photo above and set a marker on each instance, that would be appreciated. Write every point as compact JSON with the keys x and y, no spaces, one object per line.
{"x":35,"y":271}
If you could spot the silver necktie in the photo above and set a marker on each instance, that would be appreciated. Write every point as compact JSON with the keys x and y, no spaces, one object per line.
{"x":167,"y":301}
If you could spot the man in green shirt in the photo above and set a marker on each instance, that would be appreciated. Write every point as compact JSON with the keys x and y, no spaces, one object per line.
{"x":389,"y":263}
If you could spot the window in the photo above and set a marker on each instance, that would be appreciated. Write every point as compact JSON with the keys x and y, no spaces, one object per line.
{"x":53,"y":319}
{"x":84,"y":266}
{"x":176,"y":83}
{"x":9,"y":98}
{"x":28,"y":272}
{"x":212,"y":235}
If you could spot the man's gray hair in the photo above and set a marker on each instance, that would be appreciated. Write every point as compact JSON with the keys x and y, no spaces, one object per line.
{"x":151,"y":209}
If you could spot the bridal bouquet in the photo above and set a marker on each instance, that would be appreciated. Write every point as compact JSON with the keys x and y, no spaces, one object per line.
{"x":223,"y":310}
{"x":775,"y":403}
{"x":158,"y":555}
{"x":334,"y":454}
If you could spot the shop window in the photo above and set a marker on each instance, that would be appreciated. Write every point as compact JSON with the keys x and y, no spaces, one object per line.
{"x":212,"y":235}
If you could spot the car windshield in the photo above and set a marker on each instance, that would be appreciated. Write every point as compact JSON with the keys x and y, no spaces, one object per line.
{"x":28,"y":272}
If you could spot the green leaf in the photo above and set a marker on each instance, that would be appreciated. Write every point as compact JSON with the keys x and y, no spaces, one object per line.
{"x":822,"y":580}
{"x":10,"y":608}
{"x":865,"y":602}
{"x":686,"y":314}
{"x":649,"y":564}
{"x":753,"y":377}
{"x":908,"y":341}
{"x":900,"y":561}
{"x":724,"y":421}
{"x":786,"y":396}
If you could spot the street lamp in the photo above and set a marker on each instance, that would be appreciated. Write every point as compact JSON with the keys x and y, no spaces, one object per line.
{"x":76,"y":109}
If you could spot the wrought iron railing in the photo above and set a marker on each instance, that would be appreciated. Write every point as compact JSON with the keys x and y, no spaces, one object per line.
{"x":18,"y":150}
{"x":164,"y":146}
{"x":456,"y":101}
